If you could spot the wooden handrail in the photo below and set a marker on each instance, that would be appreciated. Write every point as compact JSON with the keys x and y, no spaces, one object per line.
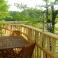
{"x":54,"y":36}
{"x":39,"y":30}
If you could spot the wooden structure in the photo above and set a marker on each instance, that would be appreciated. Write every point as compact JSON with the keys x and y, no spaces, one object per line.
{"x":46,"y":43}
{"x":15,"y":46}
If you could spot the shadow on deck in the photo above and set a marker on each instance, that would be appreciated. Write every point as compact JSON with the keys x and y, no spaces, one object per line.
{"x":15,"y":47}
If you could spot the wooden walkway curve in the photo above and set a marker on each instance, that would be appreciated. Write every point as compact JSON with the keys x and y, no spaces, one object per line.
{"x":15,"y":46}
{"x":46,"y":43}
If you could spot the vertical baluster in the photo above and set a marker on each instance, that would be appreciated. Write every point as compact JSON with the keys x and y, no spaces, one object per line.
{"x":33,"y":39}
{"x":37,"y":35}
{"x":56,"y":48}
{"x":40,"y":43}
{"x":46,"y":45}
{"x":29,"y":34}
{"x":2,"y":33}
{"x":21,"y":29}
{"x":53,"y":43}
{"x":26,"y":32}
{"x":1,"y":29}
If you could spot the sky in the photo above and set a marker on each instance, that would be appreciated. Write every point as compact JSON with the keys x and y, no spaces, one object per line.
{"x":29,"y":3}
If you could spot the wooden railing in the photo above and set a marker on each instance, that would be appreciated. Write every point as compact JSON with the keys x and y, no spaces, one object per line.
{"x":46,"y":43}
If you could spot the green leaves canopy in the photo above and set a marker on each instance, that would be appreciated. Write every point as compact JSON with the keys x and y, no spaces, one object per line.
{"x":3,"y":9}
{"x":3,"y":6}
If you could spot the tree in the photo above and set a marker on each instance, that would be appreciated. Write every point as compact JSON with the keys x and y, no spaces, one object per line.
{"x":3,"y":6}
{"x":53,"y":13}
{"x":3,"y":9}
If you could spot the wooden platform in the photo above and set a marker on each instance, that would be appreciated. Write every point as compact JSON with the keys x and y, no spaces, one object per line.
{"x":12,"y":42}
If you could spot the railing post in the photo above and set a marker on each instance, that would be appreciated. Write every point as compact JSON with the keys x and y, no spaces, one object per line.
{"x":29,"y":34}
{"x":53,"y":44}
{"x":37,"y":50}
{"x":42,"y":45}
{"x":2,"y":29}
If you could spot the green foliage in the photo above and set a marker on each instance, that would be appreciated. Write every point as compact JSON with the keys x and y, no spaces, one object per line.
{"x":3,"y":6}
{"x":31,"y":15}
{"x":56,"y":20}
{"x":3,"y":9}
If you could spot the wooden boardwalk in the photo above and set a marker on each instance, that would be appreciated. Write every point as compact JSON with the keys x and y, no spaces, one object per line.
{"x":46,"y":43}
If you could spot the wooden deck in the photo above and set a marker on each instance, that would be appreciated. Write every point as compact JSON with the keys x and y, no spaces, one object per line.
{"x":12,"y":42}
{"x":15,"y":47}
